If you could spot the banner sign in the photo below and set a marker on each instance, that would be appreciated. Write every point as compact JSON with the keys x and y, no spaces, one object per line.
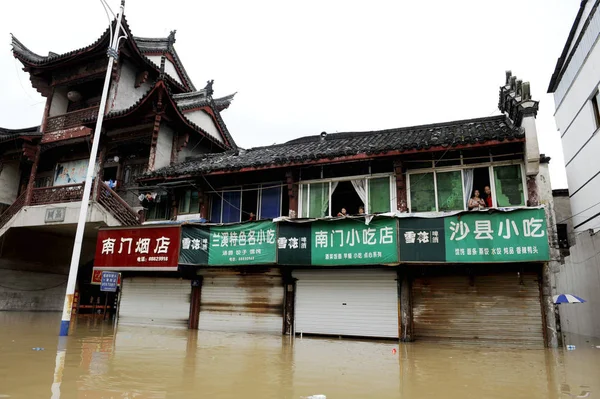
{"x":240,"y":244}
{"x":338,"y":243}
{"x":515,"y":236}
{"x":138,"y":248}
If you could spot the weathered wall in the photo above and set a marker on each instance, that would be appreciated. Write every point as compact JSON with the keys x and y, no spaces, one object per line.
{"x":193,"y":148}
{"x":580,"y":275}
{"x":169,"y":67}
{"x":125,"y":94}
{"x":9,"y":182}
{"x":206,"y":122}
{"x":164,"y":146}
{"x":562,"y":210}
{"x":29,"y":291}
{"x":59,"y":102}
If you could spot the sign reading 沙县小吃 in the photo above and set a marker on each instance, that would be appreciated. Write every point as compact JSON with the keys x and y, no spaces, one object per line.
{"x":514,"y":236}
{"x":241,"y":244}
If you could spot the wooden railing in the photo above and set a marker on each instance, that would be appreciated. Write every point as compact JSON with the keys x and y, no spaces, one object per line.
{"x":56,"y":194}
{"x":70,"y":119}
{"x":113,"y":203}
{"x":13,"y":209}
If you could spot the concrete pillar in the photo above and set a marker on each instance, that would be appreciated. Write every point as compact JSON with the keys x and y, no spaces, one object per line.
{"x":289,"y":284}
{"x":292,"y":188}
{"x":548,"y":308}
{"x":405,"y":306}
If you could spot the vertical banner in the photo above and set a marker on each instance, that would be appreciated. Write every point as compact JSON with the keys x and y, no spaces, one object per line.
{"x":294,"y":244}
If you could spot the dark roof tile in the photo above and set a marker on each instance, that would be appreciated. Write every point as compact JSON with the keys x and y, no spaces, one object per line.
{"x":8,"y":134}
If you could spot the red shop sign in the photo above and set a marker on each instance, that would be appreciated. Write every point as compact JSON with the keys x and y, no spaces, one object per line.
{"x":141,"y":248}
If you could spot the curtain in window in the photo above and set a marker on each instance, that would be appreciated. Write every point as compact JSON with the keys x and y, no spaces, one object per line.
{"x":215,"y":208}
{"x":231,"y":206}
{"x":304,"y":201}
{"x":379,"y":195}
{"x":360,"y":186}
{"x":468,"y":175}
{"x":270,"y":203}
{"x":422,"y":192}
{"x":509,"y":185}
{"x":319,"y":199}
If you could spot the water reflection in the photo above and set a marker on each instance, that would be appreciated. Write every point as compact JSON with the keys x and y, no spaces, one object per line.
{"x":105,"y":361}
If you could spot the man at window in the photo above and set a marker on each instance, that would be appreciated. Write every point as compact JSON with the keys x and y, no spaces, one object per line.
{"x":488,"y":197}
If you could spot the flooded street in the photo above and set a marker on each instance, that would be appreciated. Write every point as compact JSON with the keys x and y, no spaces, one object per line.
{"x":132,"y":362}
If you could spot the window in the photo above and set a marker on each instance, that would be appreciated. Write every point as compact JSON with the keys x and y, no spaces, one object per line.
{"x":189,"y":202}
{"x":450,"y":190}
{"x":596,"y":110}
{"x":270,"y":202}
{"x":563,"y":236}
{"x":158,"y":209}
{"x":509,"y":186}
{"x":372,"y":194}
{"x":235,"y":205}
{"x":226,"y":206}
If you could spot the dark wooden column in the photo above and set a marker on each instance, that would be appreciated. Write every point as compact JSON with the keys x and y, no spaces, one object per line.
{"x":289,"y":285}
{"x":203,"y":200}
{"x":405,"y":314}
{"x":32,"y":174}
{"x":195,"y":303}
{"x":292,"y":188}
{"x":400,"y":186}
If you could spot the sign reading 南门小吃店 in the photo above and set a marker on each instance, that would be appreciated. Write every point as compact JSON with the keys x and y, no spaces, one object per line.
{"x":241,"y":244}
{"x":513,"y":236}
{"x":338,"y":243}
{"x":140,"y":248}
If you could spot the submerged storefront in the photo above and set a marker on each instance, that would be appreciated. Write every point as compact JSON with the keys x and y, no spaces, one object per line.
{"x":465,"y":276}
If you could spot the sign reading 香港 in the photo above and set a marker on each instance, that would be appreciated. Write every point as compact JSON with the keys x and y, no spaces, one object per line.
{"x":490,"y":236}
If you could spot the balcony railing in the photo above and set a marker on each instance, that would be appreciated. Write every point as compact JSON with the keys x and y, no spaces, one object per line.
{"x":70,"y":119}
{"x":56,"y":194}
{"x":116,"y":205}
{"x":13,"y":209}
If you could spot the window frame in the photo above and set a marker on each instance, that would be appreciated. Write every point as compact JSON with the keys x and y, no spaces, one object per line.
{"x":368,"y":177}
{"x":454,"y":168}
{"x":596,"y":110}
{"x":240,"y":189}
{"x":181,"y":196}
{"x":260,"y":195}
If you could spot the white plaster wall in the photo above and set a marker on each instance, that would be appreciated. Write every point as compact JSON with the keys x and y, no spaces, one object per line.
{"x":59,"y":103}
{"x":584,"y":16}
{"x":126,"y":92}
{"x":580,"y":275}
{"x":586,"y":198}
{"x":581,"y":90}
{"x":164,"y":147}
{"x":30,"y":291}
{"x":532,"y":149}
{"x":9,"y":182}
{"x":169,"y":67}
{"x":205,"y":121}
{"x":36,"y":215}
{"x":579,"y":132}
{"x":585,"y":165}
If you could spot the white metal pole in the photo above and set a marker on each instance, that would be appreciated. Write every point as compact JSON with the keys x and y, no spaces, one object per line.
{"x":87,"y":188}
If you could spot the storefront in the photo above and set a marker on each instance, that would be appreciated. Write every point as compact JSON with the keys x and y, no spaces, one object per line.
{"x":488,"y":288}
{"x":152,"y":291}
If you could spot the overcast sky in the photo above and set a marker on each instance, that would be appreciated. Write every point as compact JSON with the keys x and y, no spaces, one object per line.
{"x":301,"y":68}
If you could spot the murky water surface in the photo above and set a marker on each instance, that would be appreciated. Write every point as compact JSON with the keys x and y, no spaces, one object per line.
{"x":100,"y":361}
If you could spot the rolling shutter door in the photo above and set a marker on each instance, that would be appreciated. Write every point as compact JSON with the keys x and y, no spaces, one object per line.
{"x":501,"y":308}
{"x":242,"y":303}
{"x":347,"y":302}
{"x":155,"y":301}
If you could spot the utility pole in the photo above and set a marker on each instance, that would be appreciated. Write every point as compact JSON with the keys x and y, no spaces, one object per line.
{"x":113,"y":52}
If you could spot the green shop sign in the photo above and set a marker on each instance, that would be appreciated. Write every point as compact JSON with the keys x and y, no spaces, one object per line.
{"x":338,"y":243}
{"x":241,"y":244}
{"x":514,"y":236}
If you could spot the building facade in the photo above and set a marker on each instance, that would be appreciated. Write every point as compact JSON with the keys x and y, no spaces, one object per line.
{"x":575,"y":83}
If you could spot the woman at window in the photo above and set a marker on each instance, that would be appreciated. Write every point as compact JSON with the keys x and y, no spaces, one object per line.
{"x":476,"y":201}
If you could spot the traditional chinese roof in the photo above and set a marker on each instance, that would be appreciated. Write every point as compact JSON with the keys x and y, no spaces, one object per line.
{"x":141,"y":46}
{"x":308,"y":149}
{"x":168,"y":99}
{"x":198,"y":99}
{"x":9,"y":134}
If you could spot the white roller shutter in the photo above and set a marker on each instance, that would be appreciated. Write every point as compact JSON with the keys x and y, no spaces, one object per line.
{"x":155,"y":301}
{"x":347,"y":302}
{"x":242,"y":303}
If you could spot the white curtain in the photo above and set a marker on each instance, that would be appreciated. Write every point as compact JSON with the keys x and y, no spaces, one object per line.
{"x":360,"y":185}
{"x":326,"y":196}
{"x":468,"y":180}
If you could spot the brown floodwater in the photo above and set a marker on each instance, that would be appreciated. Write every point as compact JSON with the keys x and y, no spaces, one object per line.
{"x":100,"y":361}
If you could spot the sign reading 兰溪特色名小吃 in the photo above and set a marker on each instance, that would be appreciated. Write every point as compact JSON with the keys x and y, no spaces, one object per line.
{"x":518,"y":235}
{"x":338,"y":243}
{"x":241,"y":244}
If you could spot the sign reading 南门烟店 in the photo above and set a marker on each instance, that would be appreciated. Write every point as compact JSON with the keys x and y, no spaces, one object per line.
{"x":240,"y":244}
{"x":514,"y":236}
{"x":140,"y":248}
{"x":338,"y":243}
